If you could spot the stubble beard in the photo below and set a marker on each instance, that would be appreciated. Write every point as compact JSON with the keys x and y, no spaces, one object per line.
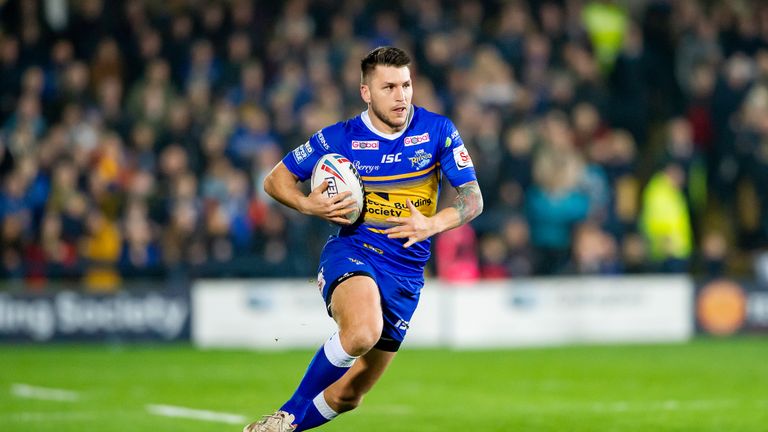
{"x":387,"y":120}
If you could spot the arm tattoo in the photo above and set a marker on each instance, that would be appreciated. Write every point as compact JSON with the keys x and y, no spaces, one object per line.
{"x":469,"y":202}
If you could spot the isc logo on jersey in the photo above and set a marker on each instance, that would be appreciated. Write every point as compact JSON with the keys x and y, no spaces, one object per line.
{"x":416,"y":139}
{"x":461,"y":157}
{"x":365,"y":145}
{"x":390,"y":158}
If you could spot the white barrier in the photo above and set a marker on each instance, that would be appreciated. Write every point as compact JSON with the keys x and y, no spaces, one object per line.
{"x":265,"y":314}
{"x":278,"y":314}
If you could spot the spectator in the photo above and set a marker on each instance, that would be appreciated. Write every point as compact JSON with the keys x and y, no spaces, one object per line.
{"x":178,"y":44}
{"x":714,"y":251}
{"x":251,"y":137}
{"x":249,"y":89}
{"x":630,"y":83}
{"x":457,"y":255}
{"x":10,"y":74}
{"x":752,"y":153}
{"x":515,"y":167}
{"x":606,"y":23}
{"x":493,"y":254}
{"x":203,"y":65}
{"x":665,"y":220}
{"x":729,"y":94}
{"x":140,"y":254}
{"x":699,"y":113}
{"x":101,"y":252}
{"x":554,"y":205}
{"x":594,"y":252}
{"x":107,"y":64}
{"x":60,"y":256}
{"x":520,"y":256}
{"x":681,"y":149}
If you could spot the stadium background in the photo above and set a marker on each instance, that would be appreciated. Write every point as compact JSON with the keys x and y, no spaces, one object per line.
{"x":611,"y":139}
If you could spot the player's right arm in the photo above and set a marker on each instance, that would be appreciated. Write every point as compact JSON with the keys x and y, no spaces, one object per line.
{"x":283,"y":185}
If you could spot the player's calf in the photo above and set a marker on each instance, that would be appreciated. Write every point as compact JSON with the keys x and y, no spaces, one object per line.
{"x":324,"y":410}
{"x":344,"y":399}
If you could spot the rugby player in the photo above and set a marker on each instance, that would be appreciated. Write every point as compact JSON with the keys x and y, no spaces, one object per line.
{"x":371,"y":272}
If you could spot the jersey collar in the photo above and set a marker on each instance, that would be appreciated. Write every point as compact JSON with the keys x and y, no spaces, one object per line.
{"x":367,"y":121}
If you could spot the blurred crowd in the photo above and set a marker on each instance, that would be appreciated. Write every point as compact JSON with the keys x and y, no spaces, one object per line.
{"x":609,"y":137}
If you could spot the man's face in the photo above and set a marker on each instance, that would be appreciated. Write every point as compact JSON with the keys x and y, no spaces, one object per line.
{"x":388,"y":93}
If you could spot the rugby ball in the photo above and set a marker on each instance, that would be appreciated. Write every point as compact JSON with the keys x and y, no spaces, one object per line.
{"x":341,"y":176}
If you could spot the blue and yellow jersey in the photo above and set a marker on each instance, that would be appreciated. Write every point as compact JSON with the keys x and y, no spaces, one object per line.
{"x":394,"y":167}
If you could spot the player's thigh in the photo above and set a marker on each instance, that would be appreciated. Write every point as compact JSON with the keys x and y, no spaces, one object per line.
{"x":356,"y":304}
{"x":347,"y":391}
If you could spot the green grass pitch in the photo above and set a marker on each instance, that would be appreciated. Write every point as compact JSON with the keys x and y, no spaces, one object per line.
{"x":705,"y":385}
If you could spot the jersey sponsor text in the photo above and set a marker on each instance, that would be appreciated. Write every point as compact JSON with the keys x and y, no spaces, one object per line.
{"x":416,"y":139}
{"x":365,"y":145}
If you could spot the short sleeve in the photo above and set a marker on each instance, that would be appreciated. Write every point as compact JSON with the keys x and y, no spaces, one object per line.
{"x":455,"y":160}
{"x":302,"y":159}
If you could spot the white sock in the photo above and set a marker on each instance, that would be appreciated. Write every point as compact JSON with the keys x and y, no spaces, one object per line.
{"x":336,"y":354}
{"x":323,"y":408}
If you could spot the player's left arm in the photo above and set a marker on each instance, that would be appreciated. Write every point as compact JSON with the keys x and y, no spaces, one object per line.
{"x":467,"y":205}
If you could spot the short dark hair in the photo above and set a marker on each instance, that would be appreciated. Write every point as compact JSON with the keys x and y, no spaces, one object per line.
{"x":385,"y":56}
